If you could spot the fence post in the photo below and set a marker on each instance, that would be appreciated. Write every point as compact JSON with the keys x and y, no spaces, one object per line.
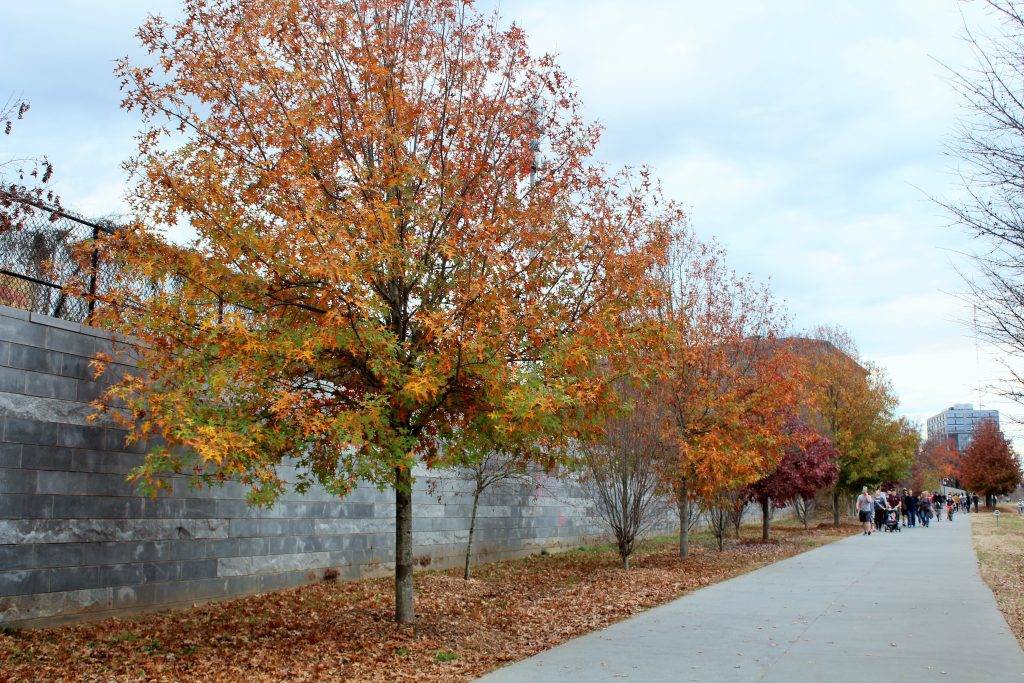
{"x":92,"y":274}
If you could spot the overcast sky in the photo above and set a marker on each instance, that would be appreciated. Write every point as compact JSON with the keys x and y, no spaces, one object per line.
{"x":804,"y":135}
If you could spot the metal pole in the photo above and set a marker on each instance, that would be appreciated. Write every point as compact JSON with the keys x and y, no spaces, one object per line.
{"x":92,"y":274}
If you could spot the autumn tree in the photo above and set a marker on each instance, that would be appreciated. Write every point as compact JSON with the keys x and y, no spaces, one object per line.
{"x":729,"y":384}
{"x":621,"y":470}
{"x":936,"y":460}
{"x":809,"y":464}
{"x":989,"y":464}
{"x":852,"y":404}
{"x":379,"y":257}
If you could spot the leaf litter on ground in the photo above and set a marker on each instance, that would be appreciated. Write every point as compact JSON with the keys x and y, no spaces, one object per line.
{"x":344,"y":631}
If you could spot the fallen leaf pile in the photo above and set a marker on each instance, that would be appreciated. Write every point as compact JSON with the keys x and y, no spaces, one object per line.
{"x":344,"y":631}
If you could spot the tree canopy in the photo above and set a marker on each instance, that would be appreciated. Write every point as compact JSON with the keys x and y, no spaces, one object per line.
{"x":809,"y":464}
{"x":989,"y":465}
{"x":378,"y":258}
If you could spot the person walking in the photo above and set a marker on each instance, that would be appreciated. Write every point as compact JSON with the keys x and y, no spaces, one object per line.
{"x":974,"y":497}
{"x":881,"y":506}
{"x":895,"y":502}
{"x":865,"y":510}
{"x":927,"y":509}
{"x":912,"y":501}
{"x":949,"y":508}
{"x":938,"y":502}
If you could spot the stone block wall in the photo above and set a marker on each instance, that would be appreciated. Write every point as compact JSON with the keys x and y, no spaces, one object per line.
{"x":76,"y":540}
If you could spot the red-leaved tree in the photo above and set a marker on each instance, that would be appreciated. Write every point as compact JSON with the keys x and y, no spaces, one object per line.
{"x":810,"y":463}
{"x":989,"y":464}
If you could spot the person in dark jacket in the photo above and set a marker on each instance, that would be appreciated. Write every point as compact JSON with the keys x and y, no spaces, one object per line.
{"x":975,"y":499}
{"x":912,"y":501}
{"x":881,"y":507}
{"x":924,"y":508}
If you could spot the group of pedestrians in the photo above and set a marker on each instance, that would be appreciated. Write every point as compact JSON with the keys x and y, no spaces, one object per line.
{"x":888,"y":509}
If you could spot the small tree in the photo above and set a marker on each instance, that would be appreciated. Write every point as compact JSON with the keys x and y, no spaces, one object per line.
{"x":727,"y":381}
{"x":989,"y":464}
{"x":622,"y":475}
{"x":804,"y":509}
{"x":737,"y":509}
{"x":853,"y":404}
{"x":809,"y":464}
{"x":492,"y":469}
{"x":718,"y":511}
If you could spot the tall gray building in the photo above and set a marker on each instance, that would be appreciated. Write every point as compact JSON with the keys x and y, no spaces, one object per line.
{"x":957,"y":423}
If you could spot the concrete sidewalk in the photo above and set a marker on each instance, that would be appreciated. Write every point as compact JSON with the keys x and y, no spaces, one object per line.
{"x":906,"y":606}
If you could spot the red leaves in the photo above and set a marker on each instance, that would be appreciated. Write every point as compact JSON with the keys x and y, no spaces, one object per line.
{"x":989,"y":465}
{"x":809,"y":464}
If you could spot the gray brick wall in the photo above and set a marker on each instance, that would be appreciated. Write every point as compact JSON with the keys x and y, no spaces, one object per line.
{"x":76,"y":541}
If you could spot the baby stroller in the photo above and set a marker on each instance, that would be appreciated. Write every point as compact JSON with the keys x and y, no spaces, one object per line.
{"x":892,"y":521}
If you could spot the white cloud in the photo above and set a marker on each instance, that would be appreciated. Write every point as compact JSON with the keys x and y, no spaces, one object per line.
{"x":798,"y":131}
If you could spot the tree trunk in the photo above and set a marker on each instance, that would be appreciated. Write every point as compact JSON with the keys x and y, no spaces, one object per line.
{"x":684,"y":519}
{"x":472,"y":526}
{"x":404,"y":612}
{"x":835,"y":506}
{"x":766,"y":521}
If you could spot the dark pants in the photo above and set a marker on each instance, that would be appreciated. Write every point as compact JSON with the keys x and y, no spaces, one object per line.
{"x":912,"y":516}
{"x":879,"y":518}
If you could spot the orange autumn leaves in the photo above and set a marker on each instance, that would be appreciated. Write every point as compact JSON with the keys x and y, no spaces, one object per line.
{"x":372,"y":268}
{"x":728,"y":378}
{"x":394,"y":234}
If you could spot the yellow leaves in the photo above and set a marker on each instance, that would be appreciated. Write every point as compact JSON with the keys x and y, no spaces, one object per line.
{"x":422,"y":386}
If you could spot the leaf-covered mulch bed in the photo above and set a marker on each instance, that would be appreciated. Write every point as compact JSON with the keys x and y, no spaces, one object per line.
{"x":336,"y":631}
{"x":1000,"y":553}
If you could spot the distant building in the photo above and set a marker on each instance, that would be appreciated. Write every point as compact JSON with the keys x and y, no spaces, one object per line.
{"x":957,"y":423}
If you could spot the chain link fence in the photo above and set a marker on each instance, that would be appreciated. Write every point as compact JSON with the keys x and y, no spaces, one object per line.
{"x":48,"y":265}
